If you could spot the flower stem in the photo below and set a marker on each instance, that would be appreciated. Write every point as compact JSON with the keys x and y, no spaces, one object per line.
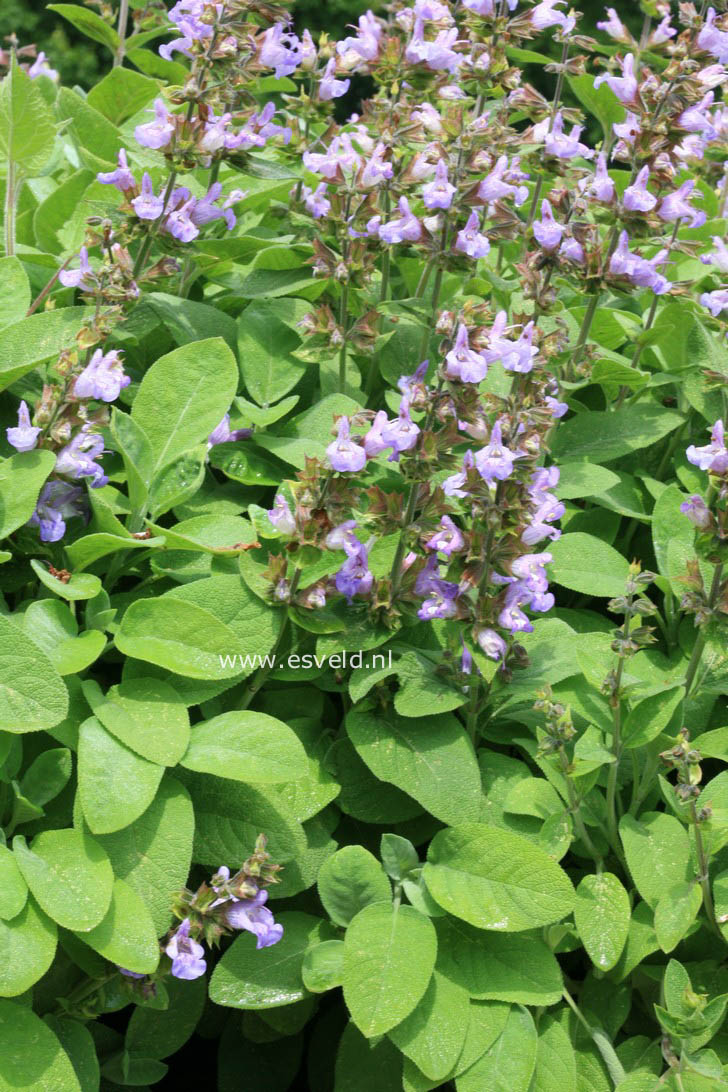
{"x":10,"y":209}
{"x":121,"y":31}
{"x":147,"y":244}
{"x":704,"y":875}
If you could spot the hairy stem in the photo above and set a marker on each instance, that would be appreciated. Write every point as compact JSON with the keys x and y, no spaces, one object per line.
{"x":700,"y":641}
{"x":704,"y":875}
{"x":10,"y":208}
{"x":121,"y":31}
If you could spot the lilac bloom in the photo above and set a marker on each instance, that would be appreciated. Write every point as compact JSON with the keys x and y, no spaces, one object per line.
{"x":614,"y":27}
{"x":413,"y":386}
{"x":76,"y":278}
{"x":558,"y":143}
{"x":147,"y":205}
{"x":714,"y":456}
{"x":495,"y":185}
{"x":365,"y":46}
{"x":464,"y":363}
{"x":719,"y":256}
{"x":436,"y":54}
{"x":492,"y":644}
{"x":447,"y":539}
{"x":676,"y":206}
{"x":281,"y":516}
{"x":316,"y":200}
{"x":122,"y":177}
{"x":428,"y":117}
{"x":495,"y":462}
{"x":24,"y":436}
{"x":180,"y":224}
{"x":255,"y":917}
{"x":130,"y":974}
{"x":374,"y":442}
{"x":624,"y":86}
{"x":543,"y":16}
{"x":428,"y":577}
{"x":556,"y":408}
{"x":466,"y":659}
{"x":469,"y":239}
{"x":515,"y":356}
{"x":343,"y":537}
{"x":157,"y":133}
{"x":400,"y":434}
{"x":697,"y":512}
{"x":712,"y":39}
{"x":58,"y":502}
{"x":480,"y":7}
{"x":223,"y":434}
{"x":103,"y":378}
{"x":344,"y":455}
{"x":530,"y":571}
{"x":329,"y":86}
{"x":572,"y":250}
{"x":280,"y":51}
{"x":439,"y":193}
{"x":376,"y":169}
{"x":453,"y":486}
{"x":640,"y":271}
{"x":712,"y":76}
{"x":599,"y":185}
{"x":548,"y":231}
{"x":637,"y":198}
{"x":440,"y":602}
{"x":629,"y":129}
{"x":186,"y":954}
{"x":354,"y":577}
{"x":663,"y":32}
{"x":340,"y":156}
{"x":40,"y":67}
{"x":77,"y":459}
{"x":513,"y":619}
{"x":405,"y":228}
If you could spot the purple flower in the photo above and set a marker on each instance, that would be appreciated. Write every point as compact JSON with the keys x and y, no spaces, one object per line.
{"x":513,"y":619}
{"x":572,"y":250}
{"x":354,"y":576}
{"x":713,"y":40}
{"x":280,"y":51}
{"x":253,"y":916}
{"x":558,"y":143}
{"x":453,"y":486}
{"x":624,"y":86}
{"x":714,"y":456}
{"x":376,"y":169}
{"x":24,"y":437}
{"x":495,"y":186}
{"x":40,"y":67}
{"x":697,"y":512}
{"x":439,"y":193}
{"x":374,"y":442}
{"x":281,"y":516}
{"x":466,"y":659}
{"x":122,"y":177}
{"x":400,"y":434}
{"x":640,"y":271}
{"x":543,"y":16}
{"x":58,"y":502}
{"x":515,"y":356}
{"x":405,"y":228}
{"x":548,"y":231}
{"x":663,"y":32}
{"x":531,"y":572}
{"x":103,"y":377}
{"x":76,"y":278}
{"x":495,"y":462}
{"x":147,"y":205}
{"x":436,"y":54}
{"x":440,"y":602}
{"x":600,"y":185}
{"x":157,"y":133}
{"x":637,"y":198}
{"x":696,"y":119}
{"x":186,"y":954}
{"x":615,"y":28}
{"x":364,"y":47}
{"x":715,"y":302}
{"x":556,"y":408}
{"x":469,"y":239}
{"x":447,"y":539}
{"x":179,"y":222}
{"x":130,"y":974}
{"x":719,"y":256}
{"x":316,"y":200}
{"x":343,"y":537}
{"x":76,"y":459}
{"x":464,"y":363}
{"x":340,"y":156}
{"x":676,"y":206}
{"x":627,"y":130}
{"x":329,"y":86}
{"x":223,"y":434}
{"x":492,"y":644}
{"x":344,"y":455}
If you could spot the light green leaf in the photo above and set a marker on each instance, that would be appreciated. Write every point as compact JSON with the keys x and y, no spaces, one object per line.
{"x":122,"y":92}
{"x":32,"y":1057}
{"x":433,"y":1035}
{"x":28,"y":945}
{"x":555,"y":1060}
{"x":486,"y":1022}
{"x":509,"y":1064}
{"x":89,"y":23}
{"x":84,"y":551}
{"x":498,"y":967}
{"x":669,"y":525}
{"x":249,"y":979}
{"x":604,"y":435}
{"x":27,"y":132}
{"x":21,"y":479}
{"x":389,"y":956}
{"x":587,"y":564}
{"x":177,"y":481}
{"x":675,"y":912}
{"x":648,"y":718}
{"x":266,"y":344}
{"x":13,"y":888}
{"x":583,"y":479}
{"x":147,"y":716}
{"x":51,"y":625}
{"x":658,"y":853}
{"x":69,"y":874}
{"x":350,"y":880}
{"x":136,"y":450}
{"x":78,"y":586}
{"x":35,"y":339}
{"x":178,"y":636}
{"x":431,"y":758}
{"x":602,"y":913}
{"x":16,"y":291}
{"x":246,"y":746}
{"x":322,"y":967}
{"x":126,"y":936}
{"x":115,"y":785}
{"x":32,"y":693}
{"x":184,"y":396}
{"x":47,"y":775}
{"x":496,"y":880}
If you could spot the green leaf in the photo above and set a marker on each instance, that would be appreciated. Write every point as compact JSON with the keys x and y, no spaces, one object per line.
{"x":157,"y":1033}
{"x":184,"y":396}
{"x":350,"y":880}
{"x":496,"y":880}
{"x":89,"y":23}
{"x":34,"y":696}
{"x":122,"y":92}
{"x":515,"y":968}
{"x":508,"y":1065}
{"x":600,"y":101}
{"x":69,"y":874}
{"x":97,"y":140}
{"x":266,"y":344}
{"x":32,"y":1057}
{"x":587,"y":564}
{"x":136,"y":451}
{"x":249,"y":979}
{"x":51,"y":625}
{"x":79,"y":586}
{"x":35,"y":339}
{"x":669,"y":526}
{"x":178,"y":636}
{"x":178,"y":481}
{"x":555,"y":1060}
{"x":658,"y":853}
{"x":246,"y":746}
{"x":16,"y":291}
{"x":675,"y":912}
{"x":430,"y":758}
{"x":399,"y":856}
{"x":603,"y":435}
{"x":27,"y":132}
{"x":433,"y":1035}
{"x":583,"y":480}
{"x":362,"y":1066}
{"x":13,"y":888}
{"x":646,"y":720}
{"x":147,"y":716}
{"x":126,"y":936}
{"x":153,"y":854}
{"x":84,"y":551}
{"x":602,"y":913}
{"x":115,"y":785}
{"x":322,"y":967}
{"x":28,"y":945}
{"x":47,"y":775}
{"x":389,"y":956}
{"x":21,"y":479}
{"x":76,"y":1040}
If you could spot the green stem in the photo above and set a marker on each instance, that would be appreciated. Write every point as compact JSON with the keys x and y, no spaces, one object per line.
{"x":10,"y":209}
{"x":600,"y":1040}
{"x":700,"y":641}
{"x":554,"y":109}
{"x":613,"y":774}
{"x":575,"y":809}
{"x":121,"y":31}
{"x":344,"y":303}
{"x":148,"y":242}
{"x":704,"y":875}
{"x":264,"y":671}
{"x":583,"y":337}
{"x":407,"y":520}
